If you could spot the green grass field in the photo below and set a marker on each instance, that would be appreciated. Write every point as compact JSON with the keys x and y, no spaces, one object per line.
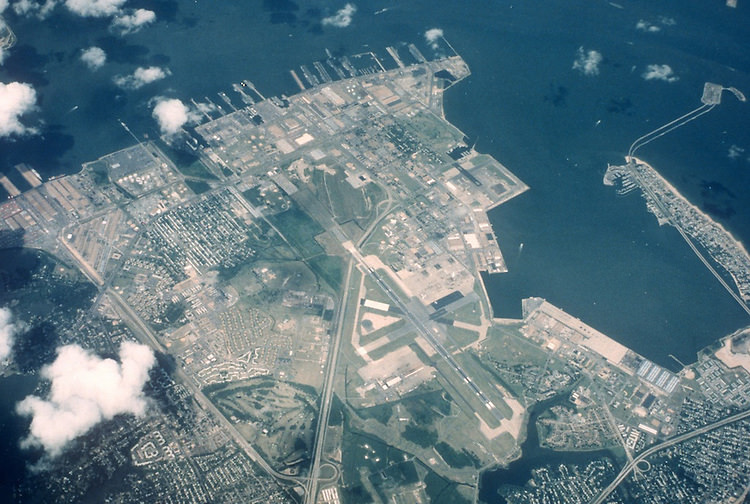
{"x":197,"y":186}
{"x":469,"y":313}
{"x":366,"y":339}
{"x":329,"y":268}
{"x":279,"y":417}
{"x":462,"y":337}
{"x":345,"y":202}
{"x":389,"y":347}
{"x":300,"y":230}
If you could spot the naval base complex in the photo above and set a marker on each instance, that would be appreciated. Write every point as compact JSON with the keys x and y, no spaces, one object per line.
{"x":309,"y":265}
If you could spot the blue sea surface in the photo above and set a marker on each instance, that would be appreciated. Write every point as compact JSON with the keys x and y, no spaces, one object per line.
{"x":601,"y":257}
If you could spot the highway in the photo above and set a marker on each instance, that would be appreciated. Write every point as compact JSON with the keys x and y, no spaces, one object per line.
{"x":146,"y":335}
{"x":327,"y":393}
{"x":612,"y":420}
{"x":666,"y":444}
{"x":326,"y":396}
{"x":310,"y":484}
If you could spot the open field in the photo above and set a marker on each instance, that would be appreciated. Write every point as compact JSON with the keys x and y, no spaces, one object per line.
{"x":345,"y":202}
{"x":300,"y":230}
{"x":278,"y":417}
{"x":462,"y":337}
{"x":470,"y":313}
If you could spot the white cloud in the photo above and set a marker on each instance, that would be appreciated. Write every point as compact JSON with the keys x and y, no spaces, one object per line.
{"x":432,"y":35}
{"x":7,"y":333}
{"x":22,"y":7}
{"x":28,"y":7}
{"x":141,"y":77}
{"x":172,"y":114}
{"x":131,"y":23}
{"x":94,"y":57}
{"x":206,"y":108}
{"x":16,"y":99}
{"x":735,"y":152}
{"x":84,"y":8}
{"x":86,"y":390}
{"x":3,"y":5}
{"x":342,"y":18}
{"x":3,"y":51}
{"x":643,"y":25}
{"x":587,"y":62}
{"x":94,"y":8}
{"x":659,"y":72}
{"x":667,"y":21}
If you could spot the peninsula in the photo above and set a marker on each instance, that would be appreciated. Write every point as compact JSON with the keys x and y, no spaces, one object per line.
{"x":670,"y":207}
{"x":307,"y":268}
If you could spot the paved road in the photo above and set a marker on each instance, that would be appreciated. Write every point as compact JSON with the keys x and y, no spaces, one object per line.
{"x":666,"y":444}
{"x":327,"y":394}
{"x":612,"y":421}
{"x":668,"y":215}
{"x":146,"y":335}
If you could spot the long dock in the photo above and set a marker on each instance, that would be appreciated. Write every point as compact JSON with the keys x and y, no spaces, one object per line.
{"x":28,"y":173}
{"x":9,"y":187}
{"x":395,"y":56}
{"x":297,"y":80}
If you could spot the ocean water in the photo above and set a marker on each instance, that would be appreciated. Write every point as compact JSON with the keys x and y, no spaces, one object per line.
{"x":518,"y":472}
{"x":600,"y":257}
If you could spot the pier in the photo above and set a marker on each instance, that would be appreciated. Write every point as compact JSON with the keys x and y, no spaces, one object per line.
{"x":710,"y":98}
{"x":324,"y":75}
{"x":311,"y":79}
{"x":670,"y":207}
{"x":246,"y":98}
{"x":29,"y":174}
{"x":252,"y":87}
{"x":9,"y":187}
{"x":394,"y":55}
{"x":297,"y":80}
{"x":670,"y":126}
{"x":226,"y":99}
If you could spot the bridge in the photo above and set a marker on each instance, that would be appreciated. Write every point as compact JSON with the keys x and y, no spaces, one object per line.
{"x":630,"y":466}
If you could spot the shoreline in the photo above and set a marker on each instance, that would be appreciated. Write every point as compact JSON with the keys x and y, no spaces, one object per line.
{"x":733,"y":245}
{"x":669,"y":186}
